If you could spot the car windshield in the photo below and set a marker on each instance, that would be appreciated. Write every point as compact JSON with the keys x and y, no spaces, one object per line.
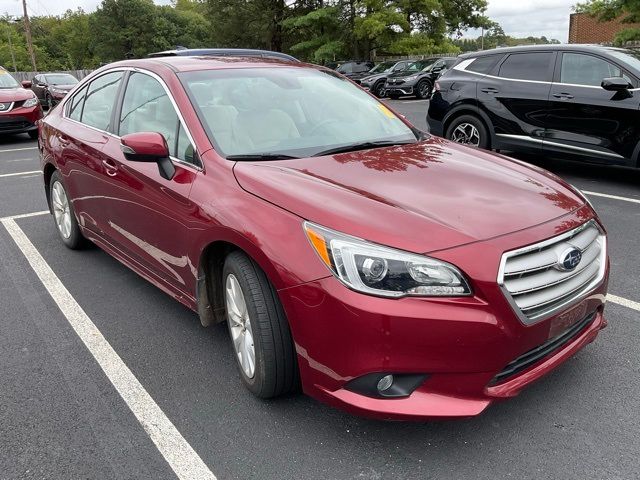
{"x":296,"y":112}
{"x":61,"y":79}
{"x":419,"y":66}
{"x":7,"y":81}
{"x":382,"y":67}
{"x":630,"y":57}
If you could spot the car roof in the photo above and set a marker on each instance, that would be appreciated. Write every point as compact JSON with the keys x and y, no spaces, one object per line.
{"x":223,"y":52}
{"x":548,"y":47}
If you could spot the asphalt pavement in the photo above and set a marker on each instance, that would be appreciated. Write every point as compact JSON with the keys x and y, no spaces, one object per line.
{"x":63,"y":416}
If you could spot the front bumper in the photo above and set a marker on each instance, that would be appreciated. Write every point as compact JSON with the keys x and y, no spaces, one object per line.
{"x":404,"y":88}
{"x":20,"y":120}
{"x":461,"y":344}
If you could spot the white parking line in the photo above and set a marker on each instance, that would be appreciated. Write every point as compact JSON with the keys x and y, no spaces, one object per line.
{"x":624,"y":302}
{"x":18,"y":149}
{"x":180,"y":456}
{"x":17,"y":174}
{"x":614,"y":197}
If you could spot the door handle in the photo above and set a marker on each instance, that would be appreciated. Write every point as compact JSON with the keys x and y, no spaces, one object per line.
{"x":563,"y":96}
{"x":489,"y":90}
{"x":110,"y":167}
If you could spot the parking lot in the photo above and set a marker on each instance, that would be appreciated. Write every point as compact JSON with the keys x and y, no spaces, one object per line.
{"x":65,"y":316}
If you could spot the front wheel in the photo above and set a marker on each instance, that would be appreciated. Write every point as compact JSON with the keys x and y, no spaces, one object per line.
{"x":423,"y":89}
{"x":379,"y":90}
{"x":468,"y":130}
{"x":259,"y":330}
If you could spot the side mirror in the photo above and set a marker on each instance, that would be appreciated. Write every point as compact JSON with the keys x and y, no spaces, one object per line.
{"x":616,"y":84}
{"x":437,"y":69}
{"x":26,"y":84}
{"x":148,"y":147}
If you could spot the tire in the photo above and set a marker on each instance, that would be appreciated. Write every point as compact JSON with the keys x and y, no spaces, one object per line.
{"x":378,"y":89}
{"x":262,"y":325}
{"x":424,"y":89}
{"x":33,"y":134}
{"x":468,"y":130}
{"x":69,"y":233}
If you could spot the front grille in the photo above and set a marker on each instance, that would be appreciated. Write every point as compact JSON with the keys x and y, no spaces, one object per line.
{"x":534,"y":355}
{"x":6,"y":106}
{"x":535,"y":284}
{"x":5,"y":126}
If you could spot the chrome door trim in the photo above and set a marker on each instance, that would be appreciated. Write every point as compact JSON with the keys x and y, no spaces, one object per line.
{"x":548,"y":142}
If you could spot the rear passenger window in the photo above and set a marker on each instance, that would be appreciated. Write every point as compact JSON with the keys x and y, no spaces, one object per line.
{"x":484,"y":64}
{"x":100,"y":100}
{"x":75,"y":107}
{"x":528,"y":66}
{"x":582,"y":69}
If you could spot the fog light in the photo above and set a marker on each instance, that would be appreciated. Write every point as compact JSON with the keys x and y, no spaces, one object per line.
{"x":385,"y":382}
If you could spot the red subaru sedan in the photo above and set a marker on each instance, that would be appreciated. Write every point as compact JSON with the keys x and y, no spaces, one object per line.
{"x":19,"y":107}
{"x":386,"y":272}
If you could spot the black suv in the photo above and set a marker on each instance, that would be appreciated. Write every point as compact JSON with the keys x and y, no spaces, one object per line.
{"x":563,"y":100}
{"x":377,"y":76}
{"x":418,"y":78}
{"x":355,"y":70}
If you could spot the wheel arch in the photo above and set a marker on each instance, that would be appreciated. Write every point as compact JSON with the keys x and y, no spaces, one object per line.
{"x":47,"y":171}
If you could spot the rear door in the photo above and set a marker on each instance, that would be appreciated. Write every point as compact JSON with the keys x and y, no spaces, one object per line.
{"x":148,"y":215}
{"x":586,"y":120}
{"x":82,"y":135}
{"x":515,"y":96}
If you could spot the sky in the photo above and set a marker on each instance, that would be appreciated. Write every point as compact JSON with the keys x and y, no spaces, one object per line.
{"x":519,"y":18}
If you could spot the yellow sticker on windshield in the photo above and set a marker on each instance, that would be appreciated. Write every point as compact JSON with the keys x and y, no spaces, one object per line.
{"x":386,"y":111}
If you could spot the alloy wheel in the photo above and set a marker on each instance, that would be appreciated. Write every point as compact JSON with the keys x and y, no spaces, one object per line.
{"x":240,"y":326}
{"x":467,"y":134}
{"x":61,"y":210}
{"x":425,"y":90}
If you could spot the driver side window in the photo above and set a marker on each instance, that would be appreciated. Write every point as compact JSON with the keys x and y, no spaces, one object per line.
{"x":580,"y":69}
{"x":146,"y":107}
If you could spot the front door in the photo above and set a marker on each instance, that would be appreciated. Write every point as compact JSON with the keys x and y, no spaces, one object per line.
{"x":585,"y":119}
{"x":148,"y":215}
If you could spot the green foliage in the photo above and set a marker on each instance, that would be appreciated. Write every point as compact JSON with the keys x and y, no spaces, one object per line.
{"x":315,"y":30}
{"x":606,"y":10}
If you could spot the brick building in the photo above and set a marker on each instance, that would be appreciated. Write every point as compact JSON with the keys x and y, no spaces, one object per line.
{"x":585,"y":29}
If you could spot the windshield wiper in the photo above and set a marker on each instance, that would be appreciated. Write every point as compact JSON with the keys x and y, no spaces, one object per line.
{"x":260,"y":157}
{"x":361,"y":146}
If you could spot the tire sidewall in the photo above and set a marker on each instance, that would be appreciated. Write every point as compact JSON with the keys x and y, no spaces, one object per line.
{"x":476,"y":122}
{"x":378,"y":89}
{"x":418,"y":88}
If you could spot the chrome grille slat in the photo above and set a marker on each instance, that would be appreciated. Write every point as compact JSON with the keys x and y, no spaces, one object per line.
{"x":534,"y":284}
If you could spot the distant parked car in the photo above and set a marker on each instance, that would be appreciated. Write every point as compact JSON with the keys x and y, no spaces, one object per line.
{"x":377,"y":76}
{"x":224,"y":52}
{"x":19,"y":107}
{"x":562,"y":100}
{"x":50,"y":88}
{"x":418,"y":79}
{"x":355,"y":70}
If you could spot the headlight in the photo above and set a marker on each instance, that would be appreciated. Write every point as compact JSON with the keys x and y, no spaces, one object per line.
{"x":384,"y":271}
{"x":410,"y":77}
{"x":31,"y":102}
{"x":58,"y":91}
{"x":583,"y":196}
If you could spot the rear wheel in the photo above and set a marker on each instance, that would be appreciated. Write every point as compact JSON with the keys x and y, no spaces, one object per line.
{"x":63,"y":214}
{"x":259,"y":330}
{"x":468,"y":130}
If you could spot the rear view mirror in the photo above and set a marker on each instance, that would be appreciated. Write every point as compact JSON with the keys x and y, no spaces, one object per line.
{"x":148,"y":147}
{"x":26,"y":84}
{"x":616,"y":84}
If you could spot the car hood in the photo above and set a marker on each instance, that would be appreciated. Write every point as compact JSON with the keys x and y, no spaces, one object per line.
{"x":405,"y":74}
{"x":422,"y":197}
{"x":377,"y":76}
{"x":14,"y":94}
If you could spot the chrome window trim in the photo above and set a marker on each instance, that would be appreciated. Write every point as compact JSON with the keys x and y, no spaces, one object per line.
{"x":580,"y":295}
{"x":462,"y":66}
{"x":11,"y":105}
{"x":544,"y":141}
{"x":198,"y":167}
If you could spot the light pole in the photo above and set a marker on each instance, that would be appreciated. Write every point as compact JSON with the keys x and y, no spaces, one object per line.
{"x":27,"y":32}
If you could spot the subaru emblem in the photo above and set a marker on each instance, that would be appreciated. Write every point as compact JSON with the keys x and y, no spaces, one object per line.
{"x":569,"y":259}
